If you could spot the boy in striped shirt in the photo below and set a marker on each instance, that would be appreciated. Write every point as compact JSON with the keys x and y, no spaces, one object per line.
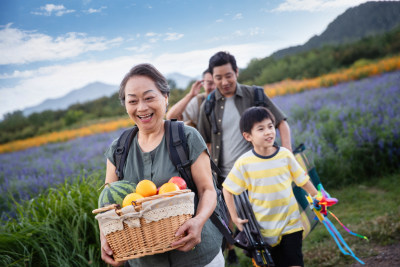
{"x":267,"y":172}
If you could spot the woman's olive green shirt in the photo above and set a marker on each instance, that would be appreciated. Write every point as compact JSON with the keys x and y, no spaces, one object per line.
{"x":157,"y":167}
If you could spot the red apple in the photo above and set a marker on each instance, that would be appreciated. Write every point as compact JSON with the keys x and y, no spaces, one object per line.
{"x":179,"y":181}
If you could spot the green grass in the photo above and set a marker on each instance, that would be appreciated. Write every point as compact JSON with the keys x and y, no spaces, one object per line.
{"x":370,"y":209}
{"x":58,"y":228}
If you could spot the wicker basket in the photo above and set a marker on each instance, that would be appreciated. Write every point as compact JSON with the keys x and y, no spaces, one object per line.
{"x":151,"y":237}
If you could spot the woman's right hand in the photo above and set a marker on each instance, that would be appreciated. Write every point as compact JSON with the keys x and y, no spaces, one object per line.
{"x":106,"y":252}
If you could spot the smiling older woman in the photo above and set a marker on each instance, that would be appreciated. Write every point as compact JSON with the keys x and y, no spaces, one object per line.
{"x":144,"y":92}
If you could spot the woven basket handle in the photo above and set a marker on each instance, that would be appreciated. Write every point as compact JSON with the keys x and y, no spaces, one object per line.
{"x":105,"y":208}
{"x":169,"y":194}
{"x":140,"y":201}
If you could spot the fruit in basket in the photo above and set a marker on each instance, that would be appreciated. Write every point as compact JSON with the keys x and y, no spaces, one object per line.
{"x":114,"y":193}
{"x":168,"y":187}
{"x":146,"y":188}
{"x":129,"y":198}
{"x":179,"y":181}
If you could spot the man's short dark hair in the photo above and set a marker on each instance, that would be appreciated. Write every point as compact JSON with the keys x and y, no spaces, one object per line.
{"x":253,"y":115}
{"x":221,"y":58}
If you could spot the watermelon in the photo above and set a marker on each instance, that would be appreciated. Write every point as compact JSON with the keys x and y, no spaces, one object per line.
{"x":114,"y":193}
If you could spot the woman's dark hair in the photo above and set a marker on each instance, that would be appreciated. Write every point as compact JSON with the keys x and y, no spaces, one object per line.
{"x":149,"y":71}
{"x":253,"y":115}
{"x":221,"y":58}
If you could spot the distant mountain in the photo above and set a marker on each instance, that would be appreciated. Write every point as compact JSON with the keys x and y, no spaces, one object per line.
{"x":89,"y":92}
{"x":367,"y":19}
{"x":181,"y":80}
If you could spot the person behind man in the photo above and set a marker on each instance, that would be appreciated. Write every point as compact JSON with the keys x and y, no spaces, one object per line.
{"x":187,"y":109}
{"x":267,"y":172}
{"x":226,"y":143}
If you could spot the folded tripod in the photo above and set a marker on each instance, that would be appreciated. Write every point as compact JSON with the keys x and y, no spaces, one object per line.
{"x":251,"y":239}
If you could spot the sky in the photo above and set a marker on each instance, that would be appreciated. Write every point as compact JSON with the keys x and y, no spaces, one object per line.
{"x":49,"y":48}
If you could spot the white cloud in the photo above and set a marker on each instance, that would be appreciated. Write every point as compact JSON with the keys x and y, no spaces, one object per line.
{"x":153,"y":40}
{"x":238,"y":16}
{"x":17,"y":74}
{"x":50,"y":9}
{"x":315,"y":5}
{"x":255,"y":31}
{"x":250,"y":32}
{"x":238,"y":33}
{"x":55,"y":81}
{"x":93,"y":10}
{"x":139,"y":49}
{"x":219,"y":20}
{"x":173,"y":36}
{"x":151,"y":34}
{"x":18,"y":46}
{"x":169,"y":36}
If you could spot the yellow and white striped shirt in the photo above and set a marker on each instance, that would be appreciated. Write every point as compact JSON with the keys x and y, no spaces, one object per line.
{"x":269,"y":184}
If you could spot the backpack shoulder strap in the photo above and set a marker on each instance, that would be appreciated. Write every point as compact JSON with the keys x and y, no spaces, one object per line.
{"x":179,"y":155}
{"x":210,"y":102}
{"x":200,"y":100}
{"x":259,"y":96}
{"x":209,"y":110}
{"x":121,"y":152}
{"x":178,"y":150}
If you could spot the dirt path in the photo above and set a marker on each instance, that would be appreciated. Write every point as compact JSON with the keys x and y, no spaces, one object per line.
{"x":385,"y":256}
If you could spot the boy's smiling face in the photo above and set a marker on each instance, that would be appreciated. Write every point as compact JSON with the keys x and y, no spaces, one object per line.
{"x":262,"y":137}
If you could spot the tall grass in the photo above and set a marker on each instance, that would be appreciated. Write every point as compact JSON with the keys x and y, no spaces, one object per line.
{"x":56,"y":228}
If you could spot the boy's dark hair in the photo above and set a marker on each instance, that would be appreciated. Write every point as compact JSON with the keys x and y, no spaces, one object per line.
{"x":221,"y":58}
{"x":253,"y":115}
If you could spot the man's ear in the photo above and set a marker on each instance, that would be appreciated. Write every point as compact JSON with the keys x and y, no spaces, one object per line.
{"x":247,"y":136}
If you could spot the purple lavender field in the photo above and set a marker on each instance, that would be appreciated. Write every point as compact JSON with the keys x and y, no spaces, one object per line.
{"x":352,"y":131}
{"x":25,"y":174}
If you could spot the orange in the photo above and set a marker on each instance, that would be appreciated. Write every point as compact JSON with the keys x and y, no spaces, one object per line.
{"x":129,"y":198}
{"x":168,"y":187}
{"x":146,"y":188}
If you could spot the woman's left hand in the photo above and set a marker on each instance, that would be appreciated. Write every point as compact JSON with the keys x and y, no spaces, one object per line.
{"x":192,"y":231}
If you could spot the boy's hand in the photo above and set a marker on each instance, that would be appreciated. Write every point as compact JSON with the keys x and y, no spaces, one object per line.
{"x":239,"y":223}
